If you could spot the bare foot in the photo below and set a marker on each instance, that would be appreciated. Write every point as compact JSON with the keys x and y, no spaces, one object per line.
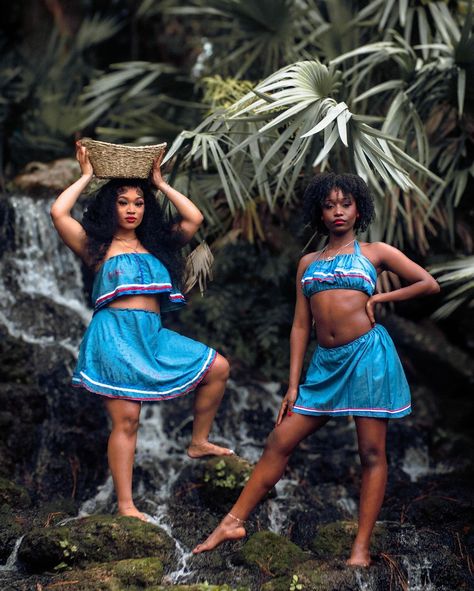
{"x":200,"y":450}
{"x":132,"y":512}
{"x":228,"y":529}
{"x":360,"y":556}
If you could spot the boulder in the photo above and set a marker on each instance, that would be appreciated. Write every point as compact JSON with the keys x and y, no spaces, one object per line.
{"x":273,"y":554}
{"x":93,"y":540}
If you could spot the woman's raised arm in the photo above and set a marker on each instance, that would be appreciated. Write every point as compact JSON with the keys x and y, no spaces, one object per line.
{"x":70,"y":230}
{"x":191,"y":217}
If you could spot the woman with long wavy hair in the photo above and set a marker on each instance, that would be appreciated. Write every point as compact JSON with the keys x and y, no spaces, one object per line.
{"x":126,"y":355}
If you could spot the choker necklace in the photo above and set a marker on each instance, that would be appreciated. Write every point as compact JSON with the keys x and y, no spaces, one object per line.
{"x":332,"y":257}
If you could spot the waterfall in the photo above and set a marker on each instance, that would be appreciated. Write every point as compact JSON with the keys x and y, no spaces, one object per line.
{"x":38,"y":265}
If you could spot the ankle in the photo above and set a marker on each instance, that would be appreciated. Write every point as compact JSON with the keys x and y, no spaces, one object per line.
{"x":233,"y":519}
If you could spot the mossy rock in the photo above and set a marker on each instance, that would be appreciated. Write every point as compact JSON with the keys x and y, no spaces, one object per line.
{"x":13,"y":495}
{"x":124,"y":575}
{"x":200,"y":587}
{"x":11,"y":528}
{"x":272,"y":553}
{"x":93,"y":540}
{"x":334,"y":540}
{"x":224,"y":478}
{"x":334,"y":575}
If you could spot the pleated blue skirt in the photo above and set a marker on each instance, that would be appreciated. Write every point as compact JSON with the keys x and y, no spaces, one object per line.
{"x":361,"y":378}
{"x":127,"y":354}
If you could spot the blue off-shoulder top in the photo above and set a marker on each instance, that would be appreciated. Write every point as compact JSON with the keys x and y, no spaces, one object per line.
{"x":344,"y":271}
{"x":134,"y":274}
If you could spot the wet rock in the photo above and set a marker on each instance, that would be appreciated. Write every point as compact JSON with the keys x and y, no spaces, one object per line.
{"x":13,"y":495}
{"x":91,"y":540}
{"x":314,"y":575}
{"x":334,"y":540}
{"x":272,"y":553}
{"x":11,"y":529}
{"x":224,"y":478}
{"x":40,"y":178}
{"x":123,"y":575}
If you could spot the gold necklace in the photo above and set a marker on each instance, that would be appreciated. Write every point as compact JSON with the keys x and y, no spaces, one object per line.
{"x":125,"y":240}
{"x":332,"y":257}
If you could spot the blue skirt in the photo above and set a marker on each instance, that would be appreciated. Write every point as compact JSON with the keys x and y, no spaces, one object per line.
{"x":362,"y":378}
{"x":127,"y":354}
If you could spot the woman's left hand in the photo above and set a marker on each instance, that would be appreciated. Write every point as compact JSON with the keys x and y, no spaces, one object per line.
{"x":158,"y":180}
{"x":370,"y":308}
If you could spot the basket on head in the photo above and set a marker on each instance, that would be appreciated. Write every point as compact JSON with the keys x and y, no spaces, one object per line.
{"x":118,"y":161}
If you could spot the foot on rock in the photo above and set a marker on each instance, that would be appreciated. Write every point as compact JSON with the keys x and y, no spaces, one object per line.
{"x":228,"y":529}
{"x":132,"y":512}
{"x":359,"y":557}
{"x":201,"y":450}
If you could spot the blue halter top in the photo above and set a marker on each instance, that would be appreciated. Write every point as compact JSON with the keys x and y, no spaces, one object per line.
{"x":134,"y":274}
{"x":344,"y":271}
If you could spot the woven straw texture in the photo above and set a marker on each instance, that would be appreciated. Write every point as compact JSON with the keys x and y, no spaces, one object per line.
{"x":118,"y":161}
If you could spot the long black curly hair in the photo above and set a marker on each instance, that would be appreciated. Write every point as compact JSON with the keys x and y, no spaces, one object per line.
{"x":155,"y":232}
{"x":350,"y":184}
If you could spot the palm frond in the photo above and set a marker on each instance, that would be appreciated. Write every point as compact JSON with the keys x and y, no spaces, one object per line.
{"x":198,"y":269}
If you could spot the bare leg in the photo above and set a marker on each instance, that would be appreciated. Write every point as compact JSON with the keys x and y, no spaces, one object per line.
{"x":371,"y":434}
{"x":125,"y":416}
{"x":206,"y":402}
{"x":268,"y":471}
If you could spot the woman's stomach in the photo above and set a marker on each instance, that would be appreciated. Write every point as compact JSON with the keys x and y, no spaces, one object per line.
{"x":340,"y":316}
{"x":137,"y":302}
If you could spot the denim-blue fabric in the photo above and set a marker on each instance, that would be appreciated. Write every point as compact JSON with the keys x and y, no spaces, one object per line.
{"x":361,"y":378}
{"x":344,"y":271}
{"x":127,"y":353}
{"x":135,"y":274}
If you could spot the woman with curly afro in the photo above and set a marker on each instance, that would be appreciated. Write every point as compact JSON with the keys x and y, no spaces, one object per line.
{"x":355,"y":369}
{"x":126,"y":355}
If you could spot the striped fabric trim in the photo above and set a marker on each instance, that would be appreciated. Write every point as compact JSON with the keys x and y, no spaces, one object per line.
{"x":321,"y":276}
{"x":89,"y":384}
{"x":349,"y":410}
{"x":135,"y":287}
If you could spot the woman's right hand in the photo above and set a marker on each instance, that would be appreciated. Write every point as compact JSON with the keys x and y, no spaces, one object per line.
{"x":82,"y":157}
{"x":287,"y":404}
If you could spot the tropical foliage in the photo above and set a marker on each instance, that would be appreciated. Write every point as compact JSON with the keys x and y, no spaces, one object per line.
{"x":257,"y":96}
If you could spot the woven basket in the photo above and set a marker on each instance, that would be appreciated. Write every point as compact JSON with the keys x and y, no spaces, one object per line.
{"x":118,"y":161}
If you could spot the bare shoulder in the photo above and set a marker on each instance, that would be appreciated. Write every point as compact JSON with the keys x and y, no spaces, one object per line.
{"x":306,"y":260}
{"x":379,"y":252}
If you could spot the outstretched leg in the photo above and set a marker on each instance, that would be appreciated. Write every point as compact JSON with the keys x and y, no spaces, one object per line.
{"x":268,"y":471}
{"x":371,"y":434}
{"x":206,"y":402}
{"x":125,"y":416}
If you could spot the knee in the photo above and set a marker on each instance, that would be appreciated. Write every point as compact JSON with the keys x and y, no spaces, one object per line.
{"x":277,"y":444}
{"x":220,"y":369}
{"x":372,"y":457}
{"x":128,"y":425}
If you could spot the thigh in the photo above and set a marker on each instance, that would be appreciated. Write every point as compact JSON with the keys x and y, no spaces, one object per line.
{"x":294,"y":428}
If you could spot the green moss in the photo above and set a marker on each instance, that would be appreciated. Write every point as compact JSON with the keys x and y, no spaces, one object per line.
{"x":13,"y":495}
{"x":93,"y":540}
{"x":334,"y":540}
{"x":273,"y":554}
{"x":141,"y":571}
{"x":224,"y":478}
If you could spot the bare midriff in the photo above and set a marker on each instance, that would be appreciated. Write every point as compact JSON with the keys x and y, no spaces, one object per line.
{"x":339,"y":316}
{"x":137,"y":302}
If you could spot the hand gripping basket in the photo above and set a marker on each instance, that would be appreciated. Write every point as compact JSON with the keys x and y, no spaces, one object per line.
{"x":118,"y":161}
